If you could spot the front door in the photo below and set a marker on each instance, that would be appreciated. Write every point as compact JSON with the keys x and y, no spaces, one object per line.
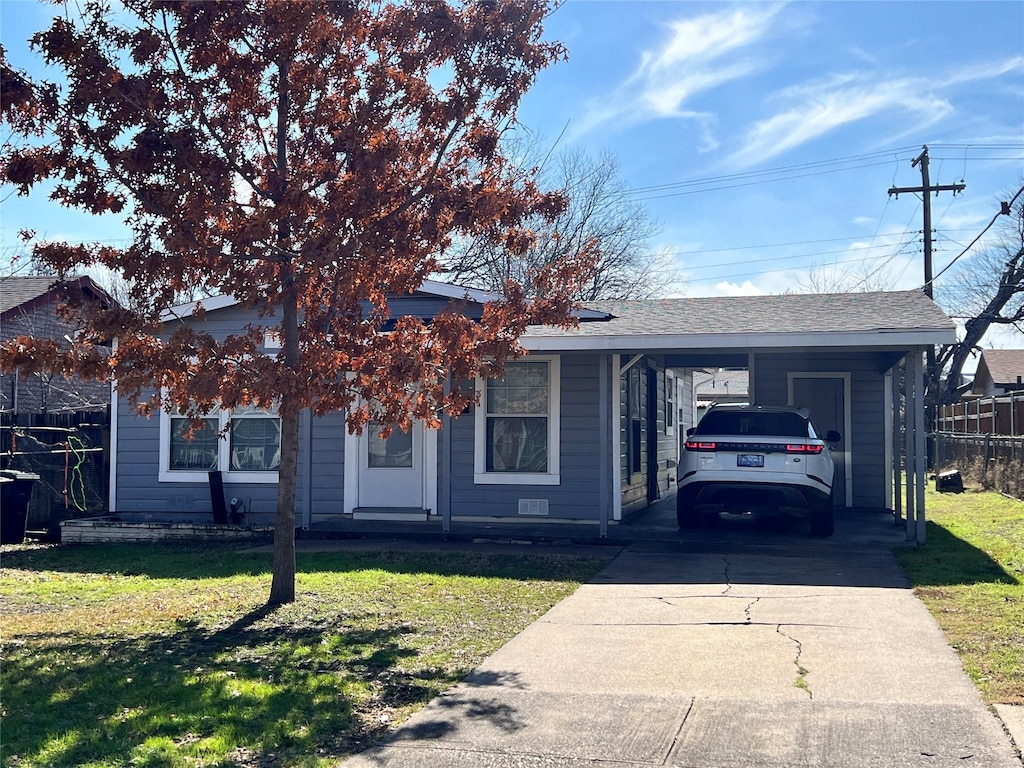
{"x":825,"y":398}
{"x":395,"y":475}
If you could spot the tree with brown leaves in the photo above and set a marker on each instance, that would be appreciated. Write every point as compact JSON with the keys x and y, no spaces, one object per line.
{"x":310,"y":159}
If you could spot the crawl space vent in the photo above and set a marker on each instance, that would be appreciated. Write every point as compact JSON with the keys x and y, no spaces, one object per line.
{"x":535,"y":507}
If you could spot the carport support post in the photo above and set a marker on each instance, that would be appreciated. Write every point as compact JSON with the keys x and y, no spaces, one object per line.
{"x":910,"y":447}
{"x":897,"y":477}
{"x":919,"y":438}
{"x":604,"y":433}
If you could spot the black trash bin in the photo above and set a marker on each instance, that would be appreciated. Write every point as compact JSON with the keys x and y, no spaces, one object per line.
{"x":15,"y":495}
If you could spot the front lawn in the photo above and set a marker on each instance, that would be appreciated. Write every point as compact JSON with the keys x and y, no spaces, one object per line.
{"x":970,"y":574}
{"x":163,"y":656}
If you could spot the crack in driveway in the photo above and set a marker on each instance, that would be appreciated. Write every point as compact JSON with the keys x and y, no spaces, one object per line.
{"x":801,"y":671}
{"x":749,"y":607}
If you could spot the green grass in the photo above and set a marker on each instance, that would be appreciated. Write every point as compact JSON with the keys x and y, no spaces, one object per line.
{"x":164,"y":656}
{"x":970,"y":574}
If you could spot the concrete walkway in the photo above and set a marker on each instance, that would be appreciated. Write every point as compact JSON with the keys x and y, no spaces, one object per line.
{"x":819,"y":656}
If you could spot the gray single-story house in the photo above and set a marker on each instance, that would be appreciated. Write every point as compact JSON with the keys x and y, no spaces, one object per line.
{"x":585,"y":428}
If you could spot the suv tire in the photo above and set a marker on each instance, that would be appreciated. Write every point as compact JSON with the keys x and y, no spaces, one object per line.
{"x":686,"y":511}
{"x":823,"y":517}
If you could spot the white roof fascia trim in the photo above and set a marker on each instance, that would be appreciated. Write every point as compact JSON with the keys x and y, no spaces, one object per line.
{"x":921,"y":337}
{"x":457,"y":292}
{"x":182,"y":311}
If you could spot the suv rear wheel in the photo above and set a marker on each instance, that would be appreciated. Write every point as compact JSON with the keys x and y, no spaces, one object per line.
{"x":823,"y":517}
{"x":686,"y":510}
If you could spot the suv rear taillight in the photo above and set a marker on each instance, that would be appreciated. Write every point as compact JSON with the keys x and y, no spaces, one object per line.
{"x":697,"y":445}
{"x":801,"y":448}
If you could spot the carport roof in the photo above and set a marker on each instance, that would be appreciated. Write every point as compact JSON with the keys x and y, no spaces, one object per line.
{"x":881,"y":319}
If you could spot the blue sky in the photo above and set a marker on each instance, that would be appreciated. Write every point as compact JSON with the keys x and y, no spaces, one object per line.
{"x":764,"y":136}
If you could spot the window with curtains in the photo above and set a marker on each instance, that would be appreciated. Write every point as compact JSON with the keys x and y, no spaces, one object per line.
{"x":249,"y":450}
{"x":517,"y":424}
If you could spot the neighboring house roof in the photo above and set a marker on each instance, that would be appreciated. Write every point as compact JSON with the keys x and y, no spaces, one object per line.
{"x":711,"y":384}
{"x":1004,"y":366}
{"x":21,"y":293}
{"x":851,"y":319}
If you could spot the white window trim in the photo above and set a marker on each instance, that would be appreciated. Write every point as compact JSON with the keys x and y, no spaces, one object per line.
{"x":167,"y":475}
{"x":552,"y":476}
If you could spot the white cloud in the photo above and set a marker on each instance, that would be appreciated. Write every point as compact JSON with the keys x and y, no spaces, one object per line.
{"x":709,"y":37}
{"x":701,"y":54}
{"x":808,"y":111}
{"x":986,"y":71}
{"x":727,"y":288}
{"x":822,"y":107}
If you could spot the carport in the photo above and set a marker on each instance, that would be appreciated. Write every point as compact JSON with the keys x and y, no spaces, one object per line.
{"x":855,"y":360}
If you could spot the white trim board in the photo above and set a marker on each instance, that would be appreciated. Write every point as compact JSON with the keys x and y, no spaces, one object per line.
{"x":568,"y":342}
{"x":350,"y":488}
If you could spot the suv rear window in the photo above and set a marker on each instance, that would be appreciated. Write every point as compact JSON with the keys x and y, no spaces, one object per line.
{"x":751,"y":423}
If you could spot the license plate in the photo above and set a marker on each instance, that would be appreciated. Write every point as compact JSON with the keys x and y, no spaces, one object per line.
{"x":749,"y":460}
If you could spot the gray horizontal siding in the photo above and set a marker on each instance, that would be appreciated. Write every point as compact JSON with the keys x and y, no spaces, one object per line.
{"x":221,"y":323}
{"x":139,"y":488}
{"x":328,"y":471}
{"x":577,"y":495}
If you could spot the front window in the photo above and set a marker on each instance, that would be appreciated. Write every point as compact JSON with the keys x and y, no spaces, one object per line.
{"x":517,"y":419}
{"x":255,"y":437}
{"x":192,"y":447}
{"x":244,"y":443}
{"x":517,"y":428}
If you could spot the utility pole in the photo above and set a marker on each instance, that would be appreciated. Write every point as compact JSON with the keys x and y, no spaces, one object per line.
{"x":926,"y":190}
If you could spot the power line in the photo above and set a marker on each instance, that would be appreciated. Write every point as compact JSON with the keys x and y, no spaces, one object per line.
{"x":795,"y":256}
{"x":768,"y":171}
{"x":728,"y":275}
{"x":1004,"y":210}
{"x":817,"y":164}
{"x":759,"y":181}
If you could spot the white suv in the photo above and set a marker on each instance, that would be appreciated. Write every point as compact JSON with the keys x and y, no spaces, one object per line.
{"x":751,"y":456}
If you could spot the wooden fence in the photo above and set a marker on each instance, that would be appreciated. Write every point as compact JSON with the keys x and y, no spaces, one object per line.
{"x":984,"y":439}
{"x":1003,"y":415}
{"x":70,"y":451}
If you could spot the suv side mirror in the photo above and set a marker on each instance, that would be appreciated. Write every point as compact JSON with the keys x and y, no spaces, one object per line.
{"x":690,"y":431}
{"x":832,"y":436}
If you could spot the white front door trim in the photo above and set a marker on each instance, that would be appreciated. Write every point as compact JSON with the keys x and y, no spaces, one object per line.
{"x":353,"y":455}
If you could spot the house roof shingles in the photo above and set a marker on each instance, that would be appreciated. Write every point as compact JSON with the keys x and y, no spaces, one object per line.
{"x":22,"y":291}
{"x":15,"y":291}
{"x":789,"y":313}
{"x":1004,"y":365}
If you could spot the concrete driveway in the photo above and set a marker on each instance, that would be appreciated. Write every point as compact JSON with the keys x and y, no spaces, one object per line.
{"x":815,"y":656}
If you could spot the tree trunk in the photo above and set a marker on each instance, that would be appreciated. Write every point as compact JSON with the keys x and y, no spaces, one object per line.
{"x":282,"y":586}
